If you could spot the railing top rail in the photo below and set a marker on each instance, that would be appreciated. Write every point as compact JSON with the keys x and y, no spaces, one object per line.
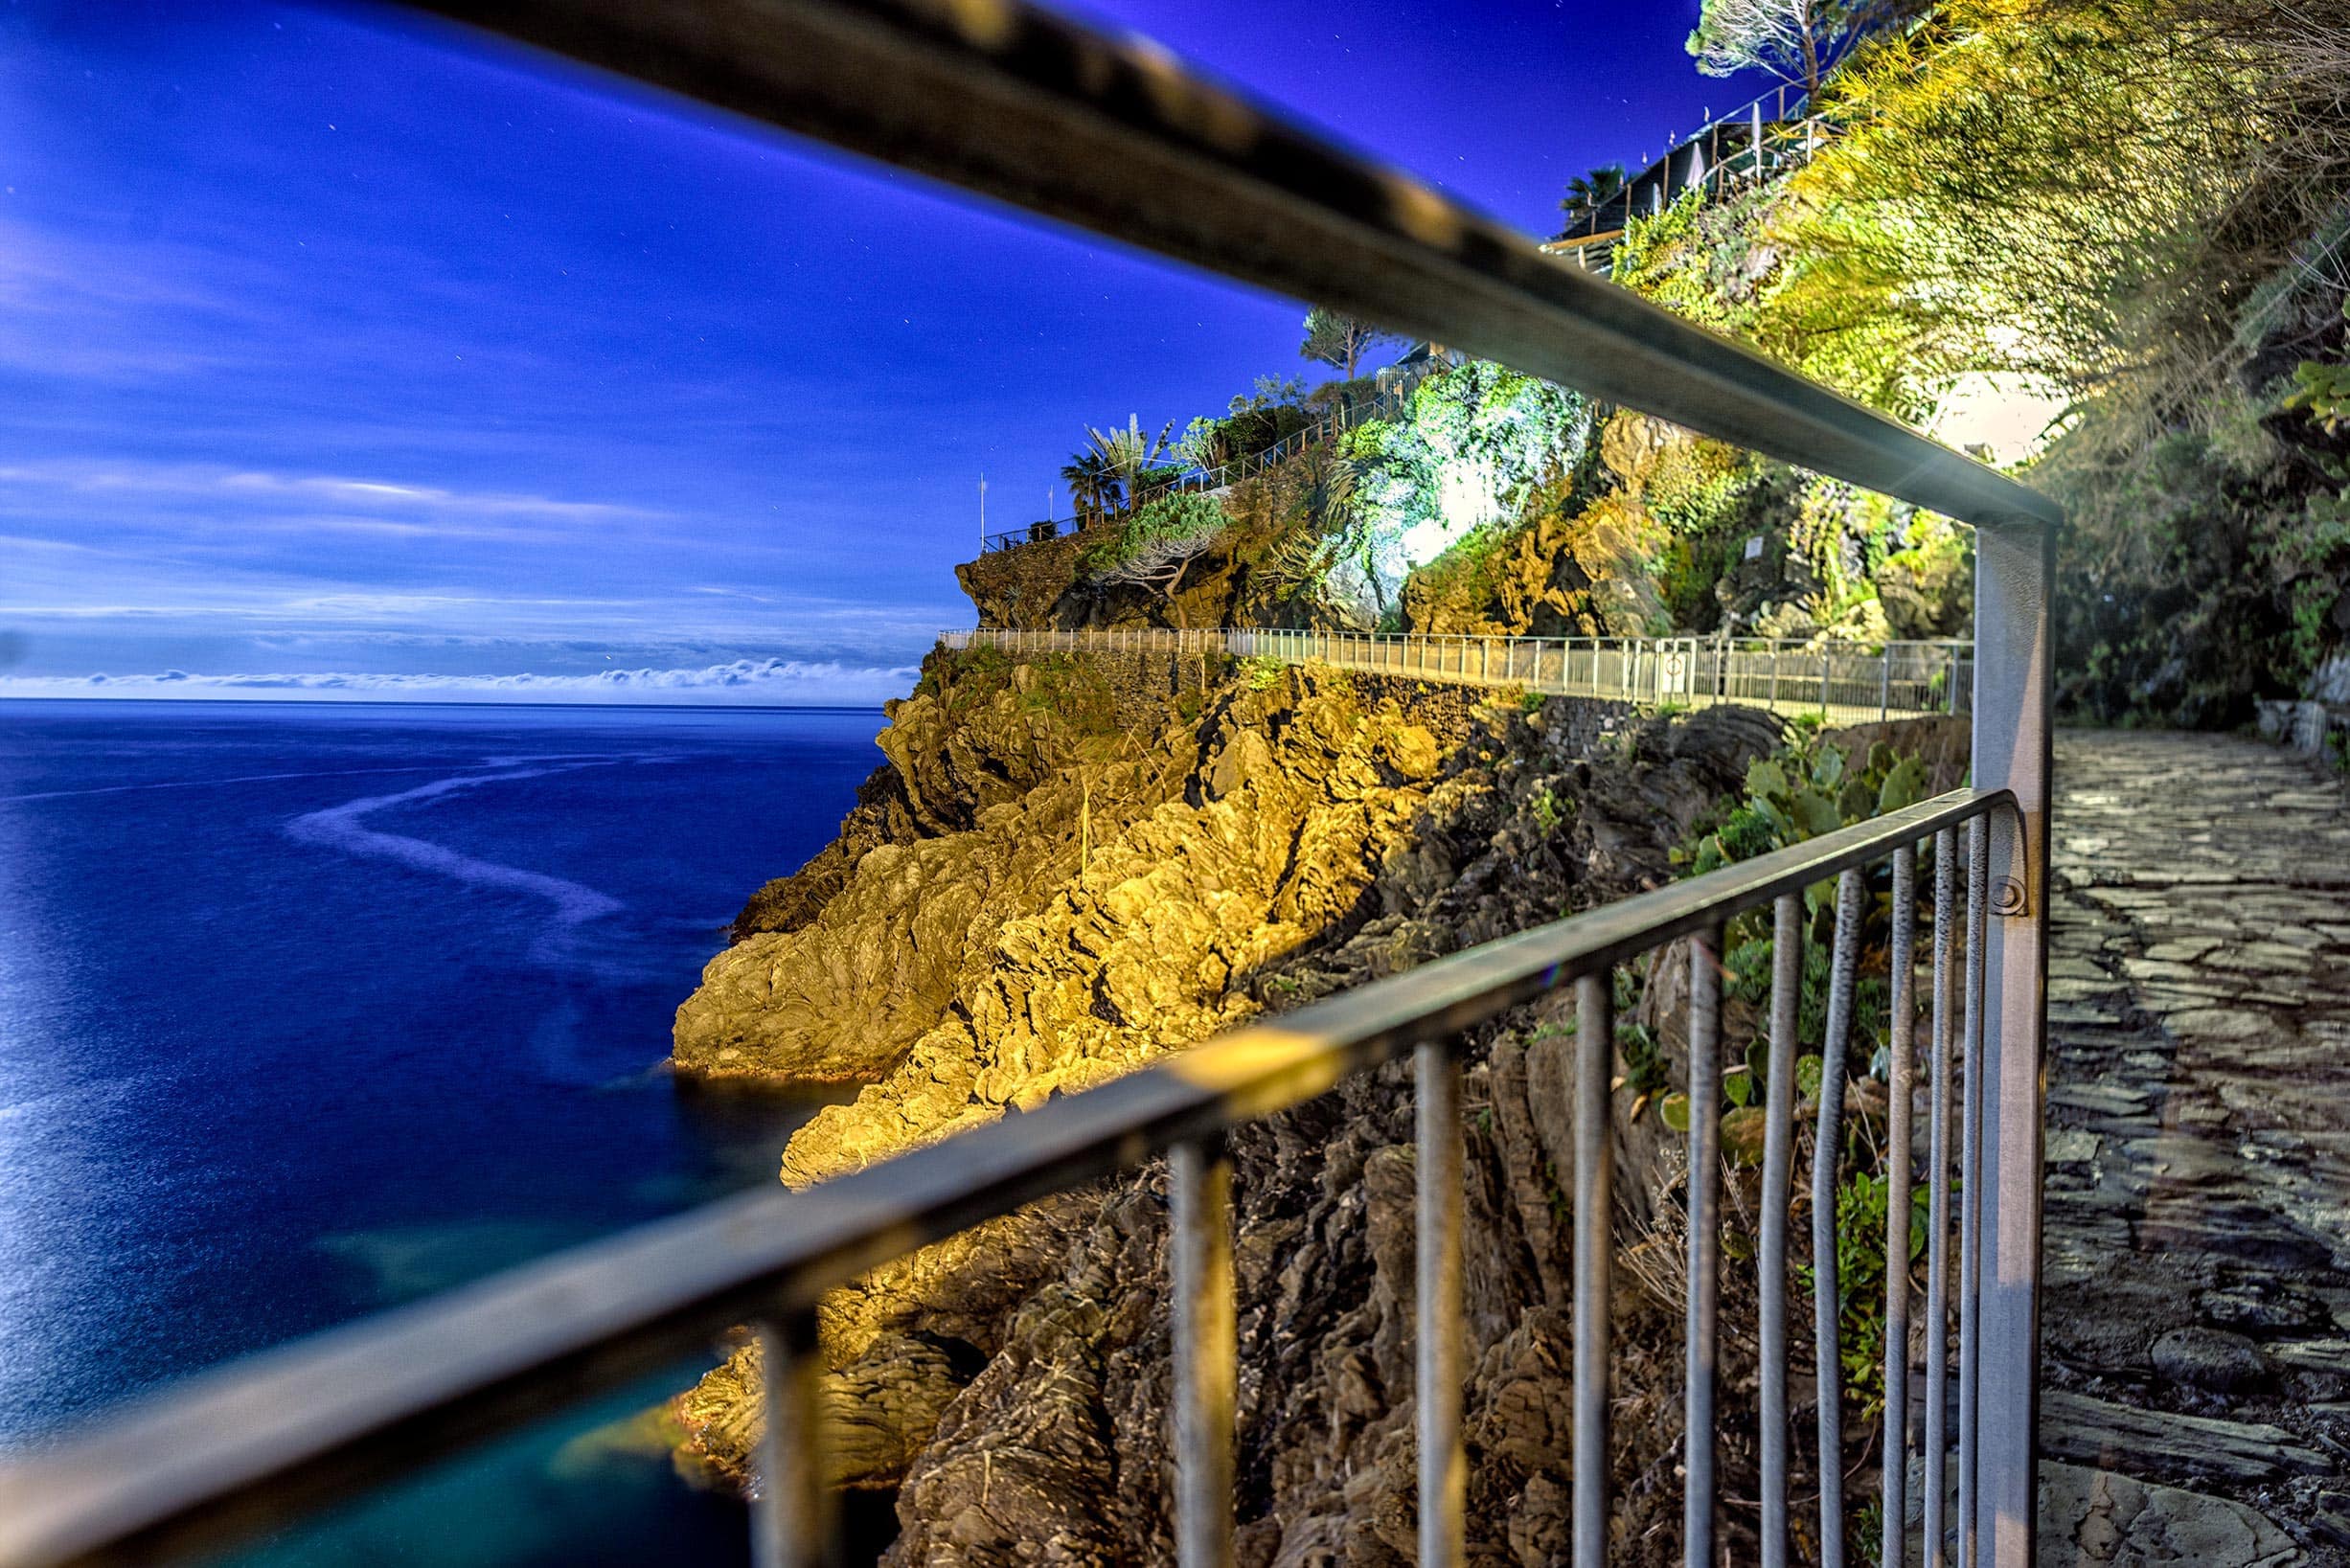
{"x":1118,"y":137}
{"x":257,"y":1443}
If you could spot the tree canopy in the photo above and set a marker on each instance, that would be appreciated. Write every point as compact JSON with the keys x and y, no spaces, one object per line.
{"x":1128,"y":452}
{"x":1798,"y":42}
{"x":1340,"y":341}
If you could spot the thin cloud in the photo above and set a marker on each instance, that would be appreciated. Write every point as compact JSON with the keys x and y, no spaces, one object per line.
{"x":742,"y":681}
{"x":188,"y":482}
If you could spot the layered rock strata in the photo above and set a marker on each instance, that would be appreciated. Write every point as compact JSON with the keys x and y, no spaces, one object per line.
{"x":1074,"y":870}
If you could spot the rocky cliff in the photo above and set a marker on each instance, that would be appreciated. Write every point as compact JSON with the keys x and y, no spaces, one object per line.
{"x":1071,"y":866}
{"x":1615,"y":525}
{"x":1275,"y":556}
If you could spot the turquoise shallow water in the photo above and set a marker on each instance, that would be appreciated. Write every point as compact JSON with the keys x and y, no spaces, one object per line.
{"x":307,"y":1011}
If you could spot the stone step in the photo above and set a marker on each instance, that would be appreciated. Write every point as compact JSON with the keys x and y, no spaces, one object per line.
{"x":2091,"y":1518}
{"x":2077,"y":1427}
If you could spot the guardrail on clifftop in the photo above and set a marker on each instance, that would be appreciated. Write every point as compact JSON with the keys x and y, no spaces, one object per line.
{"x":1118,"y":138}
{"x":1845,"y":682}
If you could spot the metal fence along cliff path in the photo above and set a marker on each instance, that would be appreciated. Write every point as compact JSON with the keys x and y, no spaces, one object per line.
{"x":1117,"y":138}
{"x":1844,"y":683}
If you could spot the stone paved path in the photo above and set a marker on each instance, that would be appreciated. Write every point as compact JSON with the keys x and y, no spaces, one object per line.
{"x":2196,"y":1326}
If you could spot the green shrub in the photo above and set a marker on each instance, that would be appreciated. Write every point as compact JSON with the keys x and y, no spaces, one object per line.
{"x":2323,"y":390}
{"x":1263,"y":673}
{"x":1806,"y":790}
{"x":1183,"y":515}
{"x":1860,"y":1282}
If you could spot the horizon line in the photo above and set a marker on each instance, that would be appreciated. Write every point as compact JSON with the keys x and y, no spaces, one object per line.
{"x":311,"y":702}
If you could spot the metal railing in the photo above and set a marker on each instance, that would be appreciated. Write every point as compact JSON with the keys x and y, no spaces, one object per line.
{"x":1116,"y":137}
{"x":1392,"y":397}
{"x":1844,"y":683}
{"x":250,"y":1444}
{"x":1760,"y":147}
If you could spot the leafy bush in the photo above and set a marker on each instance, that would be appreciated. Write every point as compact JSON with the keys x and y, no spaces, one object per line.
{"x":1264,"y":417}
{"x":1860,"y":1282}
{"x":1806,"y":790}
{"x":1180,"y":515}
{"x":2324,"y":391}
{"x":1476,"y":442}
{"x":1262,"y":672}
{"x":1693,"y":259}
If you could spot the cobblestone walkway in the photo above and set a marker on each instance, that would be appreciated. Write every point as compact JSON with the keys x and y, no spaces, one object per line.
{"x":2197,"y":1328}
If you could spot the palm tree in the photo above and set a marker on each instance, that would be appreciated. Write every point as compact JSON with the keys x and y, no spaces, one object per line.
{"x":1093,"y":484}
{"x":1587,"y":193}
{"x":1128,"y":452}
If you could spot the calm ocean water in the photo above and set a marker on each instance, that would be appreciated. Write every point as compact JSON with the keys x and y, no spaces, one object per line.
{"x":306,"y":1010}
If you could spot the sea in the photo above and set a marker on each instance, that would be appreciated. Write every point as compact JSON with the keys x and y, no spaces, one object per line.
{"x":310,"y":1010}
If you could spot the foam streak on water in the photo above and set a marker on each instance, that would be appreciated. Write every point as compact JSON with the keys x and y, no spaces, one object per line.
{"x":339,"y":827}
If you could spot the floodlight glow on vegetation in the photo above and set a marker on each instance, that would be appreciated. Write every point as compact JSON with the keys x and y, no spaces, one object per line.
{"x":2008,"y":414}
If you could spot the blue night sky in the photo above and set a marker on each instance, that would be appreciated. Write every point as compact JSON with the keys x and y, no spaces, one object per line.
{"x":335,"y":346}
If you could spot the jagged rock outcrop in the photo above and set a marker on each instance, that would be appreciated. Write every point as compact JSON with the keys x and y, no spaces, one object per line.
{"x":1000,"y":775}
{"x":1560,"y":575}
{"x":1264,"y":846}
{"x":1270,"y":564}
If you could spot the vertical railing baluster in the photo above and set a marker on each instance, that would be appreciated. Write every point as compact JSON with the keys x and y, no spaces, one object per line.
{"x":1594,"y":1258}
{"x":1938,"y":1213}
{"x":791,"y":1516}
{"x":1827,"y":1303}
{"x":1700,"y":1338}
{"x":1970,"y":1181}
{"x":1444,"y":1464}
{"x":1899,"y":1092}
{"x":1778,"y":1173}
{"x":1207,"y":1348}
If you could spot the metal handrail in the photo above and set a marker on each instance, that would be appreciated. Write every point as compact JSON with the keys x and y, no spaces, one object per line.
{"x":1116,"y":136}
{"x":1747,"y":117}
{"x":234,"y":1450}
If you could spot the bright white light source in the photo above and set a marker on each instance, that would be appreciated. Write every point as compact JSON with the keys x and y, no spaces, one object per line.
{"x":2007,"y":412}
{"x":1468,"y":497}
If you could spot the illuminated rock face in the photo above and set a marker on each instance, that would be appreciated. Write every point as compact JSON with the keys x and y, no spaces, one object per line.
{"x":1068,"y":870}
{"x":1562,"y":574}
{"x":1129,"y":868}
{"x":1075,"y":890}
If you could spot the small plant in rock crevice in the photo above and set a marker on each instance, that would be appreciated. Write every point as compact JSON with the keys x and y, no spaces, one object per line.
{"x":1546,"y":812}
{"x":1262,"y":672}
